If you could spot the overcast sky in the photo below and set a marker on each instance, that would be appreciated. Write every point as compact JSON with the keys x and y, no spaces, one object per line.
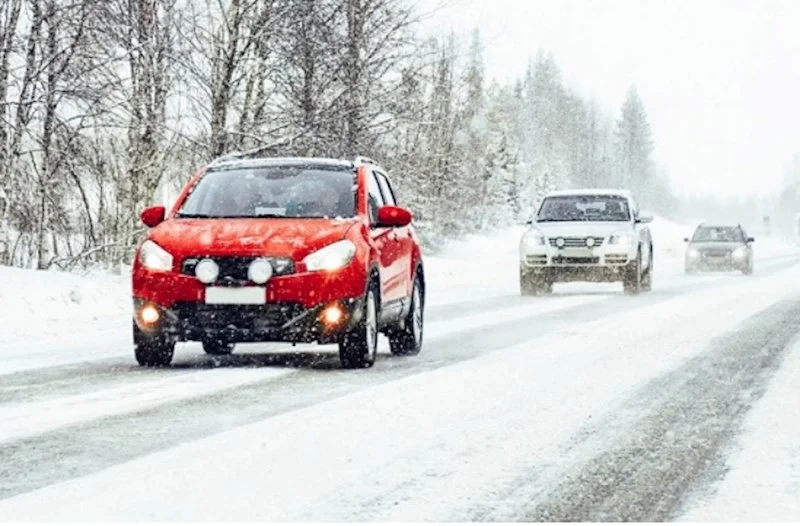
{"x":720,"y":78}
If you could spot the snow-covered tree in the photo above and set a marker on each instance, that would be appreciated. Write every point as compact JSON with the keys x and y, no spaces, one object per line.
{"x":634,"y":148}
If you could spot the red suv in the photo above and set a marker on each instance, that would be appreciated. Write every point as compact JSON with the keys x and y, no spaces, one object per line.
{"x":291,"y":250}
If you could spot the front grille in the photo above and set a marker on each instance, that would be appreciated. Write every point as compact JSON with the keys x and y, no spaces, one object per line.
{"x":235,"y":268}
{"x":567,"y":260}
{"x":249,"y":317}
{"x":717,"y":253}
{"x":536,"y":260}
{"x":577,"y":242}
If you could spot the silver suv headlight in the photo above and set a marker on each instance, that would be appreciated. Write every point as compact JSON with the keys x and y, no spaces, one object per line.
{"x":154,"y":257}
{"x":621,"y":240}
{"x":332,"y":257}
{"x":532,"y":239}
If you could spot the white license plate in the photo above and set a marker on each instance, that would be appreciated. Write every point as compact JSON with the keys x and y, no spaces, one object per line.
{"x":236,"y":295}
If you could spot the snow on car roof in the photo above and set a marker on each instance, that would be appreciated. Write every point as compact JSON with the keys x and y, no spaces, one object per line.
{"x":281,"y":161}
{"x":590,"y":191}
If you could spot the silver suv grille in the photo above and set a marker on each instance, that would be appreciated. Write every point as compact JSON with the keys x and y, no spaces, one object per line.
{"x":577,"y":242}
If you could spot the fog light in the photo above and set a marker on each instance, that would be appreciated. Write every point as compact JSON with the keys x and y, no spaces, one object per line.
{"x":207,"y":271}
{"x":332,"y":316}
{"x":150,"y":315}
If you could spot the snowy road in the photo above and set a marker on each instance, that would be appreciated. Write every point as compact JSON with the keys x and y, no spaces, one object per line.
{"x":587,"y":405}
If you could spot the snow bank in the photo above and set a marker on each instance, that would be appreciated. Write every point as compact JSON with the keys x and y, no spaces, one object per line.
{"x":477,"y":266}
{"x":38,"y":304}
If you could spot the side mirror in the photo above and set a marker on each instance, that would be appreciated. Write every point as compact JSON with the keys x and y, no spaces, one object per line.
{"x":393,"y":216}
{"x":751,"y":239}
{"x":529,"y":222}
{"x":645,"y":218}
{"x":686,"y":240}
{"x":153,"y":216}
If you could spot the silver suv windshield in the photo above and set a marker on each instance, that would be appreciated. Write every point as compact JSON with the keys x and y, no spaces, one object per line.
{"x":584,"y":208}
{"x":274,"y":191}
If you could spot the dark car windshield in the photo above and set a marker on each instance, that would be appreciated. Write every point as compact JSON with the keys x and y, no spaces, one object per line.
{"x":584,"y":208}
{"x":723,"y":234}
{"x":274,"y":191}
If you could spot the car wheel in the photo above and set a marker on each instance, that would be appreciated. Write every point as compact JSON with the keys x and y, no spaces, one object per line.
{"x":407,"y":340}
{"x":152,"y":350}
{"x":534,"y":284}
{"x":217,"y":347}
{"x":689,"y":271}
{"x":632,"y":282}
{"x":359,"y":347}
{"x":647,"y":279}
{"x":748,"y":270}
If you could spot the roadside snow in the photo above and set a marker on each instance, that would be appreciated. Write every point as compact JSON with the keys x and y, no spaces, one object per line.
{"x":449,"y":443}
{"x":763,"y":478}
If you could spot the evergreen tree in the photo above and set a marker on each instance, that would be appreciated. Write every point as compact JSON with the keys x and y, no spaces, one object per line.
{"x":634,"y":147}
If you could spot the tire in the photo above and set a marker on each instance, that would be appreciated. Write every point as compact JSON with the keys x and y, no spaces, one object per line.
{"x":632,"y":282}
{"x":533,"y":285}
{"x":359,"y":347}
{"x":689,"y":271}
{"x":407,"y":340}
{"x":152,"y":350}
{"x":647,"y":280}
{"x":217,"y":347}
{"x":748,"y":270}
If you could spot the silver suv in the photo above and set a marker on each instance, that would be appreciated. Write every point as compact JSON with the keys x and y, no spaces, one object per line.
{"x":587,"y":235}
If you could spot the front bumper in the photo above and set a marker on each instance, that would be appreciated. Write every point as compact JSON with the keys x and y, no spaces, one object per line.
{"x":717,"y":265}
{"x":270,"y":322}
{"x":601,"y":264}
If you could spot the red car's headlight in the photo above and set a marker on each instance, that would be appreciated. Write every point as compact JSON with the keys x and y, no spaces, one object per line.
{"x":154,"y":257}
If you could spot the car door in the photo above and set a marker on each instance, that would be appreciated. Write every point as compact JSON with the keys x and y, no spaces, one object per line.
{"x":400,"y":237}
{"x":384,"y":241}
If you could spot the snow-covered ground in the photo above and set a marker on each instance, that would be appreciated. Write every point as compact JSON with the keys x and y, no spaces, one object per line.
{"x":458,"y":433}
{"x":763,"y":482}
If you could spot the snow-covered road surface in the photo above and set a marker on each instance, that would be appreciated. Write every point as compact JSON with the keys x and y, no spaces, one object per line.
{"x":587,"y":405}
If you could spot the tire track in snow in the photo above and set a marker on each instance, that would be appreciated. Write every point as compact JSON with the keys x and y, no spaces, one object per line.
{"x":671,"y":438}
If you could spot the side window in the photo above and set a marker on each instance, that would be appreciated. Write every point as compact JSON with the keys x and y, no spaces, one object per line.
{"x":375,"y":199}
{"x":386,"y":189}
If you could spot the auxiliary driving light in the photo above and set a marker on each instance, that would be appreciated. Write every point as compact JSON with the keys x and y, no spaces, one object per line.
{"x":150,"y":315}
{"x":332,"y":316}
{"x":259,"y":271}
{"x":207,"y":271}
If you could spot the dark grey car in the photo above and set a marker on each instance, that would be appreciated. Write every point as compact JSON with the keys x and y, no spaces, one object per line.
{"x":719,"y":248}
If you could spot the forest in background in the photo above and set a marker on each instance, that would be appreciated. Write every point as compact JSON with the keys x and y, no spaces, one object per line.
{"x":111,"y":106}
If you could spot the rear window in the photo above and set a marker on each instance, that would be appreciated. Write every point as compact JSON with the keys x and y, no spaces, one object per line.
{"x":274,"y":191}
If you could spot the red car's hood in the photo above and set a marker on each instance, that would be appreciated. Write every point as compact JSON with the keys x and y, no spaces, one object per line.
{"x":293,"y":238}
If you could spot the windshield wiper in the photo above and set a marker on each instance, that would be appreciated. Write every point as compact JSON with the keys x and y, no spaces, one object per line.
{"x":193,"y":216}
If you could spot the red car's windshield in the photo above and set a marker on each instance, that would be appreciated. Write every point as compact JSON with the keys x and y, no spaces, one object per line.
{"x":274,"y":191}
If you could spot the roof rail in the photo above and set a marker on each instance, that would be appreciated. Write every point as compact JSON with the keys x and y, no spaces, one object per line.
{"x":230,"y":156}
{"x":360,"y":159}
